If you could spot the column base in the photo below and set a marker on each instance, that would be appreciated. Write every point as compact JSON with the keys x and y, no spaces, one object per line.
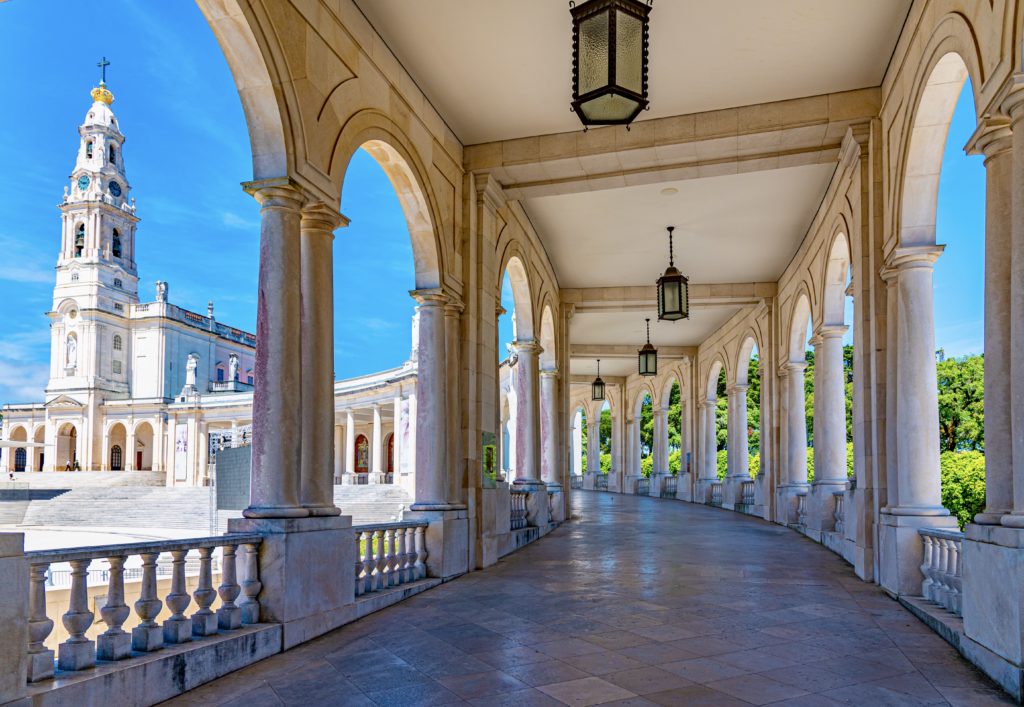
{"x":323,"y":510}
{"x":703,"y":491}
{"x":275,"y":512}
{"x":683,"y":490}
{"x":146,"y":639}
{"x":40,"y":665}
{"x":308,"y":598}
{"x":901,"y":549}
{"x":786,"y":502}
{"x":114,"y":646}
{"x":536,"y":502}
{"x":657,"y":483}
{"x":558,"y":502}
{"x":447,"y":540}
{"x":230,"y":619}
{"x":177,"y":631}
{"x":76,"y":656}
{"x":821,"y":504}
{"x":205,"y":624}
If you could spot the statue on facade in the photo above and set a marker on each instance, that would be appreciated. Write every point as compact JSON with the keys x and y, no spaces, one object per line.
{"x":72,"y":352}
{"x":161,"y":291}
{"x":233,"y":367}
{"x":190,"y":370}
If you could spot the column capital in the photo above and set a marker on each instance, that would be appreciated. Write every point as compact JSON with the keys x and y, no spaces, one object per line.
{"x":737,"y":388}
{"x":280,"y":192}
{"x":1013,"y":104}
{"x":317,"y":215}
{"x":453,"y":307}
{"x":709,"y":403}
{"x":526,"y":346}
{"x":433,"y":297}
{"x":791,"y":367}
{"x":901,"y":259}
{"x":549,"y":373}
{"x":831,"y":331}
{"x":992,"y":137}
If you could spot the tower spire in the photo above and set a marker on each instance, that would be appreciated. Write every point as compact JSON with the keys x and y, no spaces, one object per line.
{"x":101,"y":94}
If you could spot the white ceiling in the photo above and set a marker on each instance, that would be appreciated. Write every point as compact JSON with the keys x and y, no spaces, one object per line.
{"x":500,"y":69}
{"x":733,"y":228}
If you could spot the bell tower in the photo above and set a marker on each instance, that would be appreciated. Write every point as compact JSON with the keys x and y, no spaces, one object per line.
{"x":97,"y":280}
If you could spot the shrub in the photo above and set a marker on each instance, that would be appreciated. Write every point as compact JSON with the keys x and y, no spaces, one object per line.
{"x":963,"y":484}
{"x":606,"y":463}
{"x":722,"y":463}
{"x":647,"y":466}
{"x":675,"y":461}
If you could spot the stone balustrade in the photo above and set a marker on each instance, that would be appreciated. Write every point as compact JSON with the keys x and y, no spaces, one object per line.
{"x":551,"y":504}
{"x":601,"y":482}
{"x":747,"y":492}
{"x":79,"y":652}
{"x":840,"y":510}
{"x":389,"y":554}
{"x":576,"y":481}
{"x":801,"y":508}
{"x":716,"y":493}
{"x":518,"y":500}
{"x":670,"y":487}
{"x":643,"y":487}
{"x":941,"y":568}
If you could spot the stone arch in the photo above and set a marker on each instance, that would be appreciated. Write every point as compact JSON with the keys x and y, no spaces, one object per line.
{"x":142,"y":455}
{"x":799,"y":318}
{"x":117,"y":439}
{"x":382,"y":139}
{"x":664,"y":399}
{"x":717,"y":366}
{"x":39,"y":453}
{"x":837,"y":272}
{"x":951,"y":60}
{"x":247,"y":50}
{"x":66,"y":446}
{"x":644,"y":391}
{"x":520,"y":280}
{"x":548,"y":355}
{"x":748,"y":343}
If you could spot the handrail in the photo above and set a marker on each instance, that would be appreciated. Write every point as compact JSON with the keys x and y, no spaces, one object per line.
{"x":100,"y":551}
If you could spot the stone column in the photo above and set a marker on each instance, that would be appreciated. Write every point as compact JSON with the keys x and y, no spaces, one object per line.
{"x":203,"y":440}
{"x":376,"y":448}
{"x":397,"y":435}
{"x":528,"y":431}
{"x":431,"y":405}
{"x":916,"y":500}
{"x":1015,"y":379}
{"x":339,"y":453}
{"x":796,"y":424}
{"x":659,"y":468}
{"x":738,"y":442}
{"x":577,"y":447}
{"x":629,"y":459}
{"x":317,"y":225}
{"x":129,"y":449}
{"x":829,"y":428}
{"x":549,"y":463}
{"x":350,"y":448}
{"x":705,"y":468}
{"x":594,"y":443}
{"x":456,"y":463}
{"x":277,"y":399}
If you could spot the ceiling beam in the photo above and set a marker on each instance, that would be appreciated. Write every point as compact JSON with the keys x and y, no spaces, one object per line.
{"x":587,"y":380}
{"x":753,"y":138}
{"x":644,"y":297}
{"x":611,"y":351}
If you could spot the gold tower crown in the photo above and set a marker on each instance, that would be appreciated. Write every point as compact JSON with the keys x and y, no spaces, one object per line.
{"x":100,"y":93}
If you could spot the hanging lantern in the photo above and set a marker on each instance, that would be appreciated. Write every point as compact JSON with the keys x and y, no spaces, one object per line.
{"x":609,"y":60}
{"x":597,"y":387}
{"x":648,"y":356}
{"x":673,"y":290}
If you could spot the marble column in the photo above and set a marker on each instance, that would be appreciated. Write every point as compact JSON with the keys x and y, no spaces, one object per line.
{"x":577,"y":446}
{"x":1015,"y":380}
{"x":796,"y":424}
{"x":456,"y":463}
{"x":397,"y":436}
{"x":129,"y":449}
{"x":317,"y":226}
{"x":594,"y":443}
{"x":339,"y":453}
{"x":549,"y":463}
{"x":350,"y":448}
{"x":277,"y":399}
{"x":661,"y":441}
{"x":528,"y":411}
{"x":710,"y":439}
{"x":376,"y":447}
{"x":738,"y":442}
{"x":431,"y":405}
{"x":630,"y":458}
{"x":830,"y":407}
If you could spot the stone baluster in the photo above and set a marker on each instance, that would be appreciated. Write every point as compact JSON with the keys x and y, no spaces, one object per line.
{"x":178,"y":628}
{"x":927,"y":560}
{"x":229,"y":616}
{"x":391,"y":559}
{"x":410,"y":554}
{"x":367,"y":561}
{"x":421,"y":553}
{"x":251,"y":584}
{"x":379,"y":580}
{"x":114,"y":643}
{"x":942,"y":571}
{"x":148,"y":635}
{"x":40,"y":658}
{"x":359,"y":562}
{"x":77,"y":652}
{"x":956,"y":580}
{"x":399,"y":569}
{"x":204,"y":621}
{"x":952,"y":575}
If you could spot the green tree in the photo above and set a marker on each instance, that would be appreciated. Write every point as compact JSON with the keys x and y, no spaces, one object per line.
{"x":963,"y":484}
{"x":605,"y":438}
{"x":754,"y":406}
{"x":721,"y":413}
{"x":961,"y":383}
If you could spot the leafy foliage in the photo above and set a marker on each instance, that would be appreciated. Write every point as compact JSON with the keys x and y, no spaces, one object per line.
{"x":963,"y":484}
{"x":961,"y":384}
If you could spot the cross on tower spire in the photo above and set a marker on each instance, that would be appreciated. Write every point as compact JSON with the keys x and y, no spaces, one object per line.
{"x":103,"y":64}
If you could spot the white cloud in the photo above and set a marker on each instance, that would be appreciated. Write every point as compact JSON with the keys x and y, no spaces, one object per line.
{"x":27,"y":272}
{"x":233,"y":220}
{"x":22,"y":382}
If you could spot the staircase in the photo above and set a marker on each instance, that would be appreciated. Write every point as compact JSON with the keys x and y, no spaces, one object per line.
{"x":373,"y":503}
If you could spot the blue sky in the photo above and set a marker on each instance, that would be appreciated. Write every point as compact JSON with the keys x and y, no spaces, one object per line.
{"x":187,"y":151}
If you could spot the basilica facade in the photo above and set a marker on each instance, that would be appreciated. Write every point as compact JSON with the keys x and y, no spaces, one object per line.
{"x":151,"y":386}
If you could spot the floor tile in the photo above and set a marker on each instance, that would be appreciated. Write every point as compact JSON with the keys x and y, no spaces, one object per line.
{"x":643,"y":681}
{"x":586,"y":691}
{"x":481,"y":684}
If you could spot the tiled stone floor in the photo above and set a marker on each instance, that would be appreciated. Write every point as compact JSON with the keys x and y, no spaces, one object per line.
{"x":641,"y":601}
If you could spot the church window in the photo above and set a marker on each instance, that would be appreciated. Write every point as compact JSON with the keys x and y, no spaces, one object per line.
{"x":20,"y":459}
{"x":113,"y":155}
{"x":117,"y":342}
{"x":88,"y":149}
{"x":116,"y":367}
{"x":116,"y":244}
{"x":117,"y":283}
{"x":80,"y":240}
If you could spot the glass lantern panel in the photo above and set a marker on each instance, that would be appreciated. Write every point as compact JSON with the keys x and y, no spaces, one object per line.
{"x":629,"y":37}
{"x":609,"y":108}
{"x":670,"y":297}
{"x":593,"y":48}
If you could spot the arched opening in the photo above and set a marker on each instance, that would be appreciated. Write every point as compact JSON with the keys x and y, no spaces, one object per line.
{"x":645,"y":443}
{"x":117,"y":442}
{"x":115,"y":244}
{"x":549,"y":400}
{"x":676,"y":463}
{"x":721,"y":426}
{"x":67,"y":448}
{"x":390,"y":445}
{"x":748,"y":382}
{"x":362,"y":454}
{"x":143,"y":447}
{"x":579,"y":441}
{"x":605,"y":439}
{"x":19,"y":456}
{"x":79,"y":240}
{"x":39,"y":452}
{"x":833,"y":372}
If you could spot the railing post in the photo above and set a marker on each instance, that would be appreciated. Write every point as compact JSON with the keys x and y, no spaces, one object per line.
{"x":926,"y":566}
{"x":379,"y":563}
{"x":421,"y":553}
{"x":115,"y":643}
{"x":229,"y":616}
{"x":77,"y":652}
{"x":391,"y":559}
{"x":204,"y":621}
{"x":178,"y":628}
{"x":359,"y":563}
{"x":40,"y":658}
{"x":368,"y":579}
{"x":399,"y":566}
{"x":251,"y":585}
{"x":148,"y":636}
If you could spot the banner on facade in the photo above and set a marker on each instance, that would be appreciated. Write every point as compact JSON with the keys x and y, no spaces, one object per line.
{"x":181,"y":452}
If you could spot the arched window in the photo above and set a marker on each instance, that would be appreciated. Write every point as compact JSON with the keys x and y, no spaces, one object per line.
{"x":116,"y":456}
{"x":79,"y":240}
{"x":88,"y":150}
{"x":20,"y":459}
{"x":117,"y":342}
{"x":115,"y":248}
{"x":113,"y":155}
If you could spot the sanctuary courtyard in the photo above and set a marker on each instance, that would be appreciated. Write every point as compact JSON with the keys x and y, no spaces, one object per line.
{"x":705,"y":471}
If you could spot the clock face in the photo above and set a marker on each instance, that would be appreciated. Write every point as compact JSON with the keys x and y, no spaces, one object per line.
{"x":115,"y":188}
{"x":83,"y":182}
